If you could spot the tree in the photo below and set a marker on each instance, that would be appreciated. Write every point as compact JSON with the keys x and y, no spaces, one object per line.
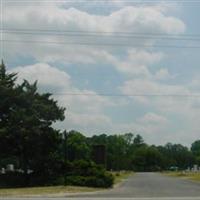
{"x":77,"y":147}
{"x":138,"y":140}
{"x":8,"y":98}
{"x":26,"y":124}
{"x":147,"y":159}
{"x":176,"y":155}
{"x":6,"y":79}
{"x":195,"y":148}
{"x":37,"y":141}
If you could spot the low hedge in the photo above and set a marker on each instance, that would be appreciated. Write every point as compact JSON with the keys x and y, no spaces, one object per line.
{"x":105,"y":181}
{"x":16,"y":179}
{"x":12,"y":179}
{"x":79,"y":173}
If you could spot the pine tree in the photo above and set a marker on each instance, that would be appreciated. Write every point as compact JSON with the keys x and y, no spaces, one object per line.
{"x":26,"y":117}
{"x":8,"y":94}
{"x":6,"y":79}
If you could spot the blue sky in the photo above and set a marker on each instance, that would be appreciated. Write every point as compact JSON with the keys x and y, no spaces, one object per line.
{"x":123,"y":70}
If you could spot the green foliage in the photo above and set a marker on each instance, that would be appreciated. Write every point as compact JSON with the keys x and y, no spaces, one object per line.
{"x":105,"y":181}
{"x":77,"y":146}
{"x":129,"y":152}
{"x":147,"y":159}
{"x":26,"y":135}
{"x":178,"y":155}
{"x":87,"y":173}
{"x":138,"y":140}
{"x":195,"y":148}
{"x":120,"y":149}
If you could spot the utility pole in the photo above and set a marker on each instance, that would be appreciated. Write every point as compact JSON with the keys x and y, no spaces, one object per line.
{"x":65,"y":154}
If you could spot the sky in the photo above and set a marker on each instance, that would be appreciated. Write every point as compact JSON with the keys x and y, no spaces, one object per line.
{"x":117,"y":66}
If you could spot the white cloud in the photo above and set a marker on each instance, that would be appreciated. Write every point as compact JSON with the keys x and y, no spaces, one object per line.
{"x":151,"y":126}
{"x":58,"y":82}
{"x":178,"y":118}
{"x":163,"y":74}
{"x":88,"y":113}
{"x":151,"y":87}
{"x":133,"y":18}
{"x":141,"y":19}
{"x":83,"y":111}
{"x":45,"y":74}
{"x":137,"y":62}
{"x":163,"y":97}
{"x":89,"y":123}
{"x":154,"y":118}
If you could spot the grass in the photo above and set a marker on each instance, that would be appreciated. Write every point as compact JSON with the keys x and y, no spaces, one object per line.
{"x":186,"y":175}
{"x":58,"y":190}
{"x":120,"y":176}
{"x":52,"y":190}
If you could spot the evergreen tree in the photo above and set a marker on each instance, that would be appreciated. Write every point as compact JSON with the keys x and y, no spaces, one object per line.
{"x":26,"y":132}
{"x":7,"y":105}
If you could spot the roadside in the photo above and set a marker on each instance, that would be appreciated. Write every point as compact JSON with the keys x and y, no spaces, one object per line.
{"x":121,"y":176}
{"x":60,"y":190}
{"x":51,"y":190}
{"x":193,"y":176}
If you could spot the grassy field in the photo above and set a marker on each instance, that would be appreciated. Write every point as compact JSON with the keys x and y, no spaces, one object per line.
{"x":58,"y":190}
{"x":186,"y":175}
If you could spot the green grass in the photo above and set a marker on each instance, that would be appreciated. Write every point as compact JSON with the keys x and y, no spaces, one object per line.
{"x":186,"y":175}
{"x":52,"y":190}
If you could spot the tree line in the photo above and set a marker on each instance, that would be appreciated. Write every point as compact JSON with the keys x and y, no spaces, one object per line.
{"x":130,"y":152}
{"x":42,"y":156}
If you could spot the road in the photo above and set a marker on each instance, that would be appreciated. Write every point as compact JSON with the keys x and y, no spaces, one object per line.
{"x":148,"y":186}
{"x":152,"y":185}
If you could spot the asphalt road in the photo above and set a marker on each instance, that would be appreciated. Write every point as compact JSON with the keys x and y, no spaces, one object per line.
{"x":144,"y":186}
{"x":152,"y":185}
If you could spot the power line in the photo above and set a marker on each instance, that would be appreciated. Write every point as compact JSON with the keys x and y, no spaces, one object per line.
{"x":105,"y":1}
{"x":127,"y":95}
{"x":52,"y":3}
{"x":124,"y":33}
{"x":79,"y":34}
{"x":100,"y":44}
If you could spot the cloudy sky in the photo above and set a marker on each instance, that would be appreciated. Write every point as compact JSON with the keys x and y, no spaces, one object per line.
{"x":117,"y":66}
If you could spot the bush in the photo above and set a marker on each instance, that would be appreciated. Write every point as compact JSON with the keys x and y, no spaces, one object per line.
{"x":91,"y":181}
{"x":76,"y":180}
{"x":87,"y":173}
{"x":17,"y":179}
{"x":117,"y":174}
{"x":12,"y":179}
{"x":108,"y":180}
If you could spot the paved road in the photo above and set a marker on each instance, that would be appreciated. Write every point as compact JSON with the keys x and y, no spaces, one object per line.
{"x":146,"y":186}
{"x":152,"y":185}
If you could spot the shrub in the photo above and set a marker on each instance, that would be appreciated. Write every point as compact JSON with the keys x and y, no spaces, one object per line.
{"x":91,"y":181}
{"x":87,"y":173}
{"x":12,"y":179}
{"x":117,"y":174}
{"x":76,"y":180}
